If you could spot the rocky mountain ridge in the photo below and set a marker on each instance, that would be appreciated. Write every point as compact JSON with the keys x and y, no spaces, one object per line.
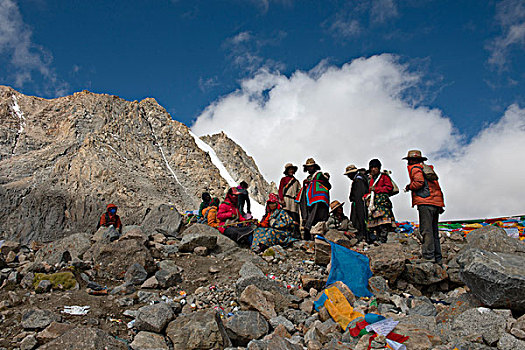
{"x":62,"y":160}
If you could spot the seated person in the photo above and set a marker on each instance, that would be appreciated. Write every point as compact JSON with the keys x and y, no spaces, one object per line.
{"x":206,"y":198}
{"x":110,"y":218}
{"x":209,"y":214}
{"x":230,"y":216}
{"x":337,"y":219}
{"x":276,"y":226}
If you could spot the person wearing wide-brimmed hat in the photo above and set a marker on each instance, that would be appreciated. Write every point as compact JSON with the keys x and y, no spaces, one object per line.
{"x":289,"y":187}
{"x":337,"y":219}
{"x":358,"y":212}
{"x":314,"y":197}
{"x":427,"y":195}
{"x":381,"y":216}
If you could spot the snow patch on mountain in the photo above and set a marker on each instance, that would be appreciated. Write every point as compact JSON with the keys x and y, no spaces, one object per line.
{"x":257,"y":209}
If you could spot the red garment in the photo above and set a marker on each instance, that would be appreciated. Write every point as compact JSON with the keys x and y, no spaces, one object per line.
{"x":417,"y":182}
{"x":107,"y":219}
{"x":392,"y":336}
{"x":284,"y":181}
{"x":384,"y":185}
{"x":228,"y":210}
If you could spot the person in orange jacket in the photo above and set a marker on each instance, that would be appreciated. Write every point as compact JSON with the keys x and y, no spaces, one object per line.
{"x":110,"y":218}
{"x":427,"y":195}
{"x":210,"y":213}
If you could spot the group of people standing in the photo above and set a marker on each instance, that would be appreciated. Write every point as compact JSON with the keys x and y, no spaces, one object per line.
{"x":298,"y":207}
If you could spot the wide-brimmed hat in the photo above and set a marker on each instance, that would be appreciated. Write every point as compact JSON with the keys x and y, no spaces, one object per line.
{"x":310,"y":162}
{"x":350,"y":169}
{"x":415,"y":154}
{"x":335,"y":204}
{"x":289,"y":165}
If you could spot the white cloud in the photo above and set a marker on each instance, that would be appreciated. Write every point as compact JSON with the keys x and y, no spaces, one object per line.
{"x":350,"y":21}
{"x":244,"y":51}
{"x":346,"y":27}
{"x":24,"y":56}
{"x":360,"y":111}
{"x":510,"y":15}
{"x":383,"y":10}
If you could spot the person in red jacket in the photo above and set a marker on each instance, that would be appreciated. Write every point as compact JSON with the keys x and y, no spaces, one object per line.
{"x":381,"y":216}
{"x":229,"y":213}
{"x":427,"y":195}
{"x":110,"y":218}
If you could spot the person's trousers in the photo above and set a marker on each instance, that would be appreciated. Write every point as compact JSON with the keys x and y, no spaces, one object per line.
{"x":428,"y":228}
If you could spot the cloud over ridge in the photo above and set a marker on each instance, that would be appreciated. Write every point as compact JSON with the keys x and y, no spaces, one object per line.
{"x":360,"y":111}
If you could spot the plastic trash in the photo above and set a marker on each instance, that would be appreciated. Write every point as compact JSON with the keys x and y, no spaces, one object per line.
{"x":76,"y":310}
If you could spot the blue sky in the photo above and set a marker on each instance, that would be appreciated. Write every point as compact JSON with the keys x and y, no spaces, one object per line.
{"x":187,"y":54}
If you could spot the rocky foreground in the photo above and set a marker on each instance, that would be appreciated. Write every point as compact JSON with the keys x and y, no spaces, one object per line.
{"x":163,"y":285}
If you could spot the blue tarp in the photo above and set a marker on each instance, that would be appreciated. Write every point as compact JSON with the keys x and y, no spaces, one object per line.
{"x":351,"y":268}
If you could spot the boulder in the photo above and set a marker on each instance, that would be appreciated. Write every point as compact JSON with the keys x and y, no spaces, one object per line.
{"x":508,"y":342}
{"x":154,"y":318}
{"x":424,"y":273}
{"x":164,"y":219}
{"x":28,"y":343}
{"x":282,"y":321}
{"x":9,"y":246}
{"x":43,"y":286}
{"x":65,"y":249}
{"x":387,"y":260}
{"x":497,"y":279}
{"x":106,"y":235}
{"x":494,"y":239}
{"x":136,"y":274}
{"x":150,"y":283}
{"x":255,"y":299}
{"x":479,"y":323}
{"x":168,"y":274}
{"x":53,"y":331}
{"x":198,"y":330}
{"x":38,"y":319}
{"x":245,"y":326}
{"x":110,"y":257}
{"x":248,"y":269}
{"x":90,"y":338}
{"x":224,"y":243}
{"x":309,"y":281}
{"x":191,"y":241}
{"x":281,"y":297}
{"x":135,"y":233}
{"x":323,"y":252}
{"x":149,"y":341}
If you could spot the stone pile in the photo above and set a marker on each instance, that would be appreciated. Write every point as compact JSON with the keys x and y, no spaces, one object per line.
{"x":163,"y":285}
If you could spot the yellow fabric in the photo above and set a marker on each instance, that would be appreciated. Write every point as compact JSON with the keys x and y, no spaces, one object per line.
{"x":473,"y":226}
{"x":339,"y":307}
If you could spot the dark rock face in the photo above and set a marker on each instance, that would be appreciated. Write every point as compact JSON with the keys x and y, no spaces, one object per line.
{"x":497,"y":279}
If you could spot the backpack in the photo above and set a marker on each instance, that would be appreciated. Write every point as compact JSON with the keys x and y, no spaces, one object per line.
{"x":429,"y":173}
{"x":395,"y":189}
